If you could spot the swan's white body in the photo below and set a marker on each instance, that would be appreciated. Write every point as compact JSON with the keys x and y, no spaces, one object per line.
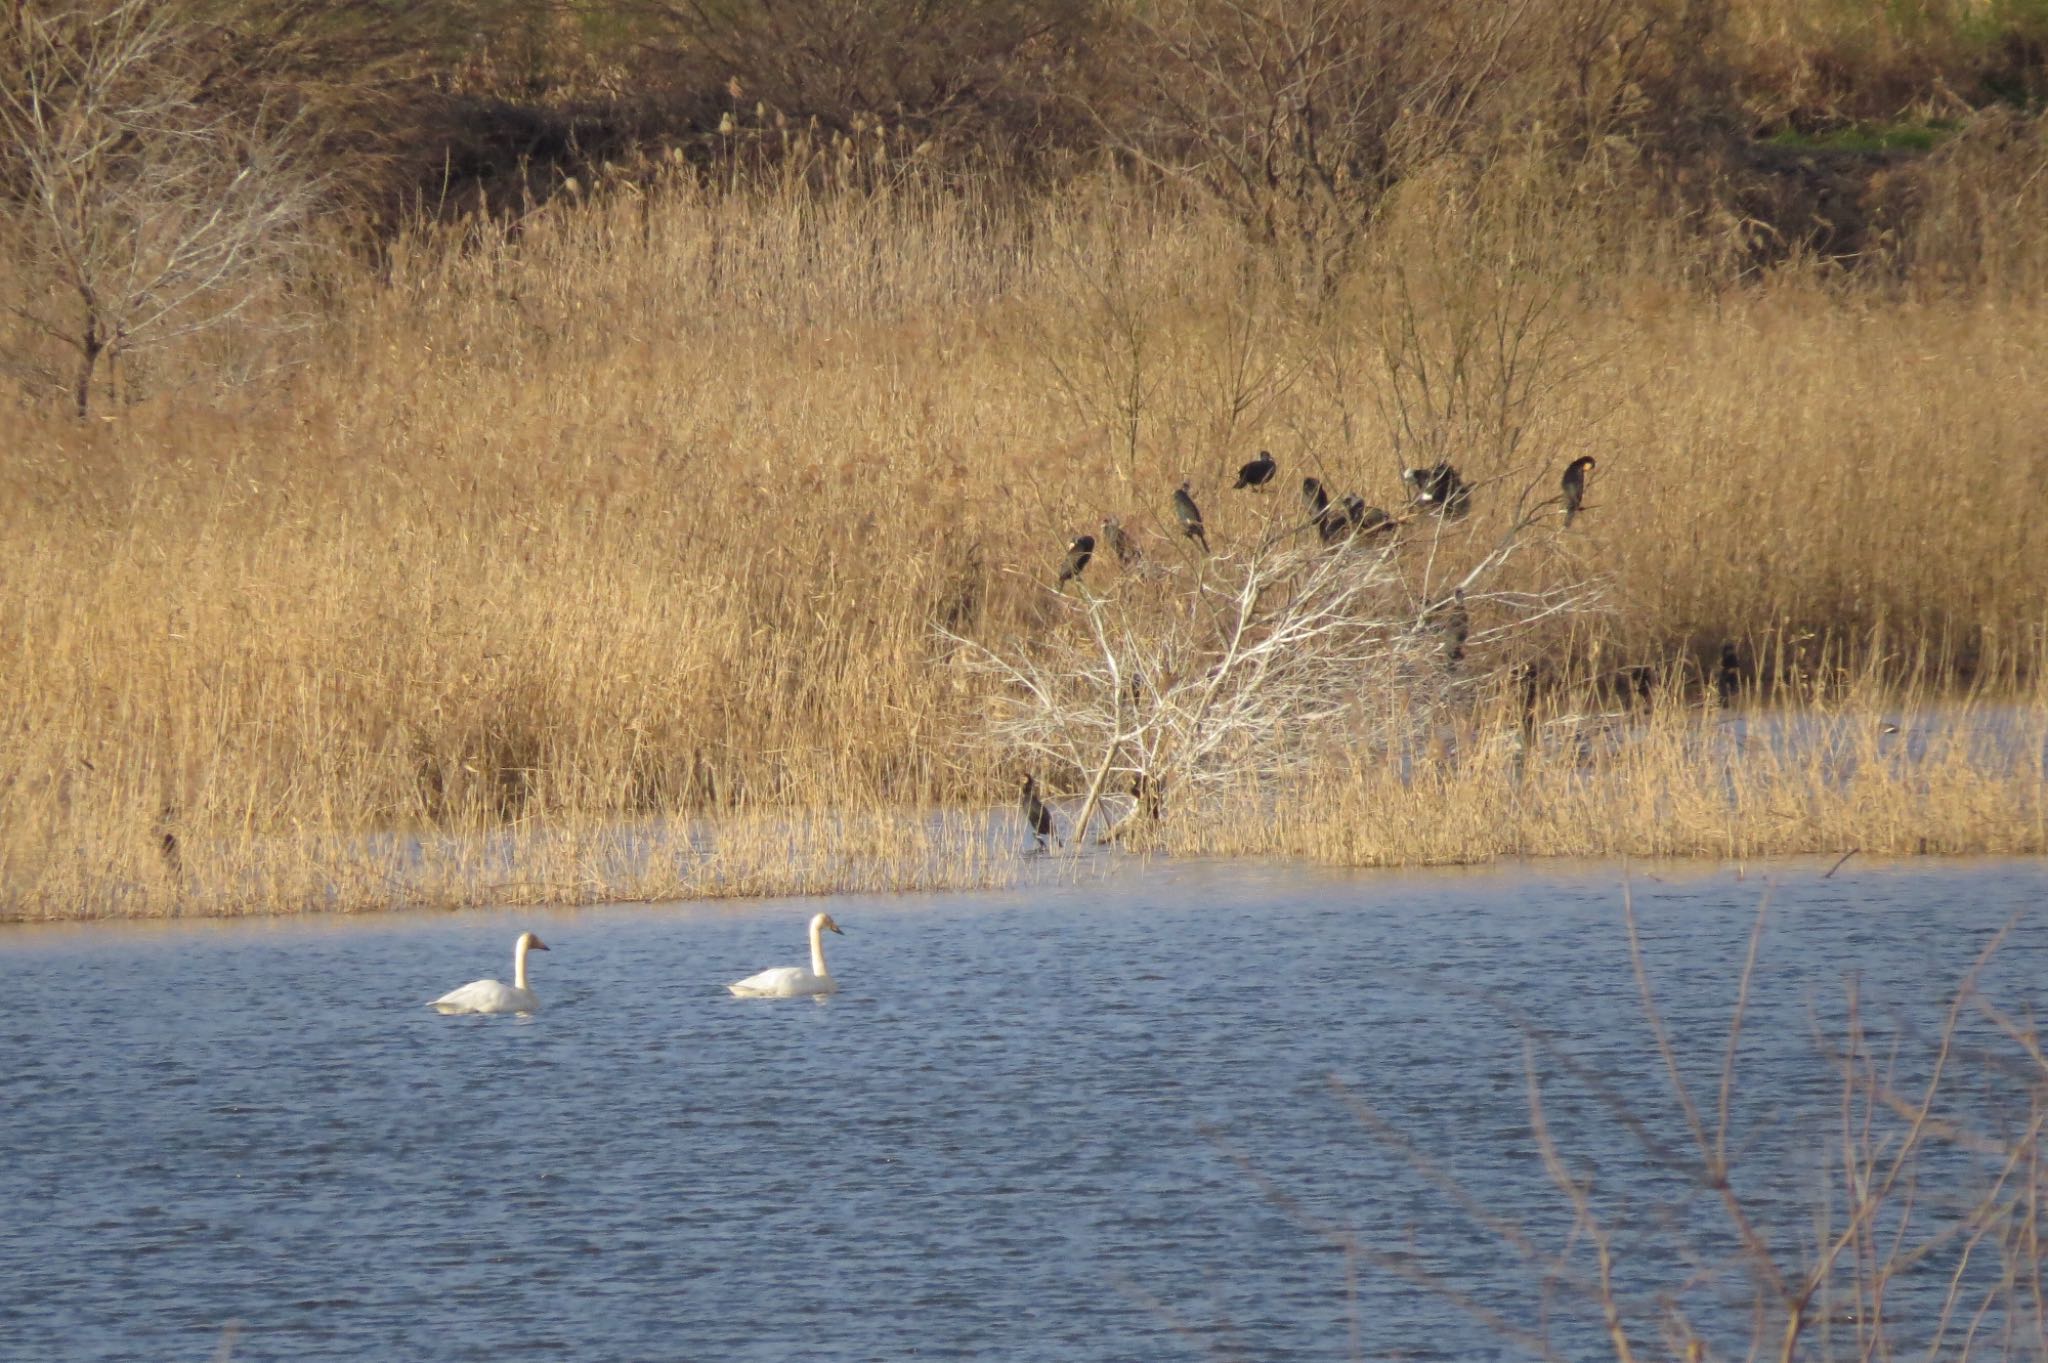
{"x":793,"y":981}
{"x":495,"y":996}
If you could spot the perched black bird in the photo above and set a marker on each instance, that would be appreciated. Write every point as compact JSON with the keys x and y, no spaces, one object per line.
{"x":1728,"y":680}
{"x":1259,"y":472}
{"x":1079,"y":551}
{"x":1439,"y":488}
{"x":1121,"y":544}
{"x":1351,"y":517}
{"x":1575,"y":485}
{"x":1190,"y":516}
{"x":1314,"y":500}
{"x":1035,"y":812}
{"x":1340,"y":521}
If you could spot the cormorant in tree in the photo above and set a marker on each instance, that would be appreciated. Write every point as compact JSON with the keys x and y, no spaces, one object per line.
{"x":1079,"y":550}
{"x":1257,"y":473}
{"x":1439,"y":488}
{"x":1120,"y":543}
{"x":1314,"y":500}
{"x":1575,"y":485}
{"x":1728,"y":680}
{"x":1371,"y":520}
{"x":1035,"y":812}
{"x":1190,"y":516}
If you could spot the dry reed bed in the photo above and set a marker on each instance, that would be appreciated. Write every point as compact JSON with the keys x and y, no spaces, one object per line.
{"x":653,"y":508}
{"x":1875,"y":771}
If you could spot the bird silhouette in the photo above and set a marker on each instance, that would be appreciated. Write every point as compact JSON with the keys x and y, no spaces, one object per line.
{"x":1258,"y":472}
{"x":1314,"y":499}
{"x":1079,"y":550}
{"x":1439,"y":488}
{"x":1035,"y":812}
{"x":1190,"y":516}
{"x":1120,"y":543}
{"x":1575,"y":485}
{"x":1728,"y":680}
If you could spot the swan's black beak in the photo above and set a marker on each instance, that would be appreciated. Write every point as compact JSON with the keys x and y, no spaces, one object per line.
{"x":539,"y":945}
{"x":836,"y":928}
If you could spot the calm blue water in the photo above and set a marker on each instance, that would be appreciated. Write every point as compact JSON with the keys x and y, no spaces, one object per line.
{"x":1076,"y":1123}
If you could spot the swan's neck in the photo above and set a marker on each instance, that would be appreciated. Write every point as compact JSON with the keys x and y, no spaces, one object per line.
{"x":818,"y":950}
{"x":519,"y":965}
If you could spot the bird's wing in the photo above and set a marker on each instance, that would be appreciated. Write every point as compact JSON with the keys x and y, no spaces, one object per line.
{"x":779,"y":980}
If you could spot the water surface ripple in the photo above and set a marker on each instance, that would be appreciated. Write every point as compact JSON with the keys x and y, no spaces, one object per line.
{"x":1072,"y":1123}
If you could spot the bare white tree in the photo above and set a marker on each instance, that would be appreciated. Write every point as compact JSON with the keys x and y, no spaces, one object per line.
{"x":140,"y":209}
{"x":1256,"y":664}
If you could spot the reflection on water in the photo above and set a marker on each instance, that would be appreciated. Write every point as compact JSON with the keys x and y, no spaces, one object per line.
{"x":1070,"y":1122}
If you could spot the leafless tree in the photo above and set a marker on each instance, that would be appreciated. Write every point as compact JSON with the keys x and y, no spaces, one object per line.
{"x":1302,"y":114}
{"x":139,"y":210}
{"x":1257,"y":662}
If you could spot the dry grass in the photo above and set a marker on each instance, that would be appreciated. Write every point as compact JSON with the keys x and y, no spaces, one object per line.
{"x":1872,"y":769}
{"x":651,"y":506}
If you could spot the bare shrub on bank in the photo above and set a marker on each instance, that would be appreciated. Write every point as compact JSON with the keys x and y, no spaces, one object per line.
{"x":1255,"y":666}
{"x":139,"y":211}
{"x":1301,"y":114}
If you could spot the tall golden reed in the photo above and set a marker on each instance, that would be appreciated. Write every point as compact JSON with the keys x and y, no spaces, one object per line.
{"x":649,"y":507}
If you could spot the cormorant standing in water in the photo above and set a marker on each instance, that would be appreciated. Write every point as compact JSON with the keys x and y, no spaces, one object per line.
{"x":1120,"y":543}
{"x":1035,"y":812}
{"x":1728,"y":681}
{"x":1575,"y":485}
{"x":1259,"y":472}
{"x":1079,"y":551}
{"x":1190,"y":516}
{"x":1439,"y":488}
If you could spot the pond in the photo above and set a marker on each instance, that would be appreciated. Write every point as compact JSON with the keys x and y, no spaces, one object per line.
{"x":1127,"y":1118}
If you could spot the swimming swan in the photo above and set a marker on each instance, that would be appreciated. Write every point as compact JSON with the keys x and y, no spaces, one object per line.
{"x":495,"y":996}
{"x":791,"y":981}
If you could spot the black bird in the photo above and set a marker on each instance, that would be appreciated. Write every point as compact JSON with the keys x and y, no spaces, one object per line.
{"x":1371,"y":520}
{"x":1121,"y":544}
{"x":1035,"y":812}
{"x":1728,"y":680}
{"x":1439,"y":488}
{"x":1190,"y":516}
{"x":1316,"y":501}
{"x":1340,"y":522}
{"x":1079,"y":551}
{"x":1259,"y":472}
{"x":167,"y":844}
{"x":1575,"y":485}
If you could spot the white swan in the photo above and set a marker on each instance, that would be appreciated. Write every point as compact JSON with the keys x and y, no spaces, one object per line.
{"x":791,"y":981}
{"x":495,"y":996}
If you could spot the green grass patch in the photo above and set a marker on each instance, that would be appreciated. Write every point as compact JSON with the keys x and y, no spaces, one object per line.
{"x":1866,"y":137}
